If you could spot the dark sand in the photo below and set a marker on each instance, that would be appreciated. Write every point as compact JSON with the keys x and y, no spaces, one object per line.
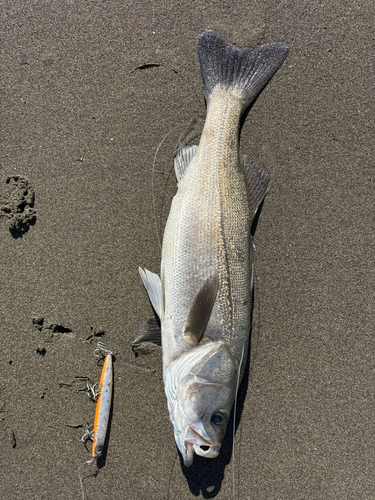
{"x":82,"y":124}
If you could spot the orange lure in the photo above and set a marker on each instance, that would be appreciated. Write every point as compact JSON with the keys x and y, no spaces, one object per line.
{"x":103,"y":405}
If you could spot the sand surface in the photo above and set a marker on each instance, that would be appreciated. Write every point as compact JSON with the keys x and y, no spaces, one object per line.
{"x":88,"y":91}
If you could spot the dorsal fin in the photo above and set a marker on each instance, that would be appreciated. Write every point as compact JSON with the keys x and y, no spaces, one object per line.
{"x":183,"y":158}
{"x":201,"y":310}
{"x":256,"y":184}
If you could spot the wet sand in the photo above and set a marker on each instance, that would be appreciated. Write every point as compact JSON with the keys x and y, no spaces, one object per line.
{"x":88,"y":91}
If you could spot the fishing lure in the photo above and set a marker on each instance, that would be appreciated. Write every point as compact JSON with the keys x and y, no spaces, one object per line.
{"x":103,"y":404}
{"x":103,"y":399}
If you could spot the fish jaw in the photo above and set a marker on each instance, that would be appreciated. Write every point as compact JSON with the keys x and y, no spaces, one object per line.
{"x":194,"y":439}
{"x":197,"y":437}
{"x":188,"y":455}
{"x":186,"y":448}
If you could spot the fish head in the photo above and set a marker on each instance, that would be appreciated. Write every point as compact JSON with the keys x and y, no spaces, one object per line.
{"x":200,"y":389}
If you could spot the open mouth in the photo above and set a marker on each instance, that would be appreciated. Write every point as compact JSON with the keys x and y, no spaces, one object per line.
{"x":201,"y":450}
{"x":206,"y":451}
{"x":199,"y":444}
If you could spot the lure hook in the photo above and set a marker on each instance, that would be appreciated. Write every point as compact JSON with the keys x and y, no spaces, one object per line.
{"x":103,"y":352}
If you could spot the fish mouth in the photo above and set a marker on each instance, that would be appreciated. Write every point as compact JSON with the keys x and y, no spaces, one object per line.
{"x":202,"y":450}
{"x":201,"y":445}
{"x":207,"y":451}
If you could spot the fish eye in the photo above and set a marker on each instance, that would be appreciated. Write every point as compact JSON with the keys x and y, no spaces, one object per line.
{"x":217,"y":418}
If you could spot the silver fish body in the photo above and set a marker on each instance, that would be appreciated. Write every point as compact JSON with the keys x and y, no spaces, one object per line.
{"x":204,"y":296}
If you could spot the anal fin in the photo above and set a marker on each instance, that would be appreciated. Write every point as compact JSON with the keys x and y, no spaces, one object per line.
{"x":149,"y":332}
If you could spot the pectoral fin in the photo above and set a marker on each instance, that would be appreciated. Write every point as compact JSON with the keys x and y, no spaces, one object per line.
{"x":153,"y":286}
{"x":201,"y":310}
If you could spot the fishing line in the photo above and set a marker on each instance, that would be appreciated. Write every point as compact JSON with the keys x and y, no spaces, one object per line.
{"x":255,"y":287}
{"x":81,"y":478}
{"x":185,"y":133}
{"x":234,"y":418}
{"x":192,"y":122}
{"x":152,"y":184}
{"x":257,"y":295}
{"x":170,"y":475}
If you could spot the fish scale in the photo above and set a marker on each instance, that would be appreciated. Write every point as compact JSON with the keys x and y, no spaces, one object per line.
{"x":211,"y":227}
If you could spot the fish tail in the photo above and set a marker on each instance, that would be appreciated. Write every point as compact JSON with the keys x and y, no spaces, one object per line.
{"x":245,"y":72}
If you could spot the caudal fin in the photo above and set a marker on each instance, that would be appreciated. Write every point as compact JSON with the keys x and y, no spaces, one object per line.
{"x":246,"y":71}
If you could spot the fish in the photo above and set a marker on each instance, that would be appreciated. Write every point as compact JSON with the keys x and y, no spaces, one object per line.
{"x":203,"y":297}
